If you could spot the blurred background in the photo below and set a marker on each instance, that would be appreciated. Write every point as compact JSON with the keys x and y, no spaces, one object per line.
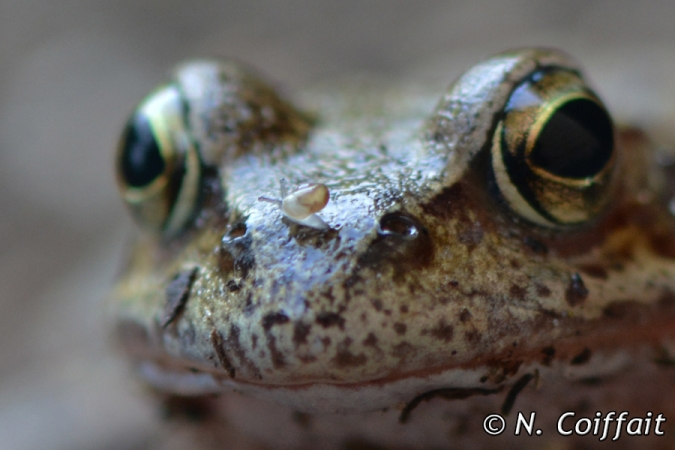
{"x":70,"y":73}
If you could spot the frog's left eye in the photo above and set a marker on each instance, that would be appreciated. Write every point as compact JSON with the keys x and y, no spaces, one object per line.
{"x":553,"y":151}
{"x":158,"y":166}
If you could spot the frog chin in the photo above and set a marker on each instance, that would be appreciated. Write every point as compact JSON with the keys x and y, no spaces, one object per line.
{"x":374,"y":395}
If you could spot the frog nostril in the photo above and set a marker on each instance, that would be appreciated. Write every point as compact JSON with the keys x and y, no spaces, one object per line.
{"x":235,"y":254}
{"x":399,"y":225}
{"x":238,"y":230}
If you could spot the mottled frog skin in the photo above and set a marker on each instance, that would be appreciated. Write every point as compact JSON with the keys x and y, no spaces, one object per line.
{"x":474,"y":243}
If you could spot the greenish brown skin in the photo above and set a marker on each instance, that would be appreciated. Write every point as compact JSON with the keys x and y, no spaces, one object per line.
{"x":353,"y":319}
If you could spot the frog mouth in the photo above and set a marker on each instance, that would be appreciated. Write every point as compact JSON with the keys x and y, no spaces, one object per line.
{"x":406,"y":393}
{"x":577,"y":361}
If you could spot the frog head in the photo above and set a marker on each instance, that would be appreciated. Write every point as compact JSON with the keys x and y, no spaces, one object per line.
{"x":372,"y":245}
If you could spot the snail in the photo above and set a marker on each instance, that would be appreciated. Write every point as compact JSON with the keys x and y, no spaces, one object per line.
{"x":301,"y":205}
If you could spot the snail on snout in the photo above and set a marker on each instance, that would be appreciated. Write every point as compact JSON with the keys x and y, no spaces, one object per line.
{"x":301,"y":205}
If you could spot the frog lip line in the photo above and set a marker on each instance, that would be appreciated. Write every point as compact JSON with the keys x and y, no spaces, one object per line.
{"x":600,"y":359}
{"x":359,"y":397}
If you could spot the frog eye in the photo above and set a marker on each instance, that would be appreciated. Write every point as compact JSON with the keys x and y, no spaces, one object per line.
{"x":158,"y":167}
{"x":553,"y":152}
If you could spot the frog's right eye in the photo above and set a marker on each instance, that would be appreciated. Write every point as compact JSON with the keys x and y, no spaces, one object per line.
{"x":553,"y":152}
{"x":158,"y":166}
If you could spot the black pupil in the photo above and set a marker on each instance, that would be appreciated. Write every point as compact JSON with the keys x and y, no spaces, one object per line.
{"x":576,"y":142}
{"x":142,"y":161}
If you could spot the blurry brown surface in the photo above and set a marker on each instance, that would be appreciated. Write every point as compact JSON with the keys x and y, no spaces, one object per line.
{"x":70,"y":72}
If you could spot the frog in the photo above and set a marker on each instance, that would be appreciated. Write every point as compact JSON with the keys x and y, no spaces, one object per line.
{"x":386,"y":266}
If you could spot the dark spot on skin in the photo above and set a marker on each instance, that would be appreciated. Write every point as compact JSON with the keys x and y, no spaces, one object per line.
{"x":300,"y":333}
{"x":330,"y":296}
{"x":403,"y":309}
{"x":400,"y":328}
{"x":576,"y":291}
{"x":594,"y":271}
{"x":249,"y":307}
{"x":464,"y":316}
{"x":275,"y":318}
{"x":581,"y":358}
{"x":177,"y":294}
{"x":447,"y":203}
{"x":447,"y":394}
{"x":345,"y":358}
{"x":515,"y":264}
{"x":510,"y":399}
{"x":238,"y":349}
{"x":403,"y":350}
{"x":549,"y":353}
{"x":518,"y":292}
{"x":377,"y":304}
{"x":330,"y":319}
{"x":351,"y":281}
{"x":277,"y":355}
{"x":454,"y":283}
{"x":542,"y":290}
{"x":453,"y":353}
{"x":193,"y":370}
{"x":483,"y":379}
{"x":472,"y":336}
{"x":217,"y":344}
{"x":535,"y":245}
{"x":442,"y":331}
{"x":302,"y":419}
{"x":370,"y":341}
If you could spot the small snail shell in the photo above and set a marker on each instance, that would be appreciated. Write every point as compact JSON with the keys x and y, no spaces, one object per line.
{"x":301,"y":205}
{"x":305,"y":201}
